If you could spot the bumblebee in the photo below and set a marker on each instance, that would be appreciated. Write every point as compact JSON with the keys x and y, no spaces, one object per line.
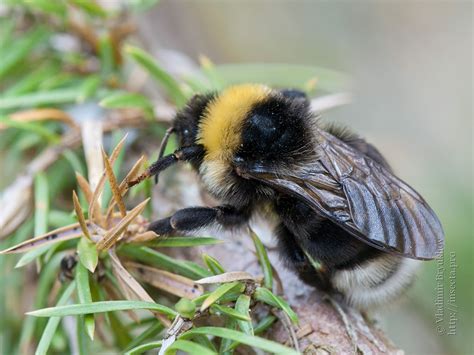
{"x":347,"y":224}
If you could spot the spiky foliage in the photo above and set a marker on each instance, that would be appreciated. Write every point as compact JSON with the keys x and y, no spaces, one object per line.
{"x":90,"y":276}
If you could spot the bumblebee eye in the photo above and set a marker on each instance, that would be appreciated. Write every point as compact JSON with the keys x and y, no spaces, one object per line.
{"x":186,"y":132}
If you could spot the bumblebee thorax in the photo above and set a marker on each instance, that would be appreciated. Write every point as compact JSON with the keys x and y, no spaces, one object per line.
{"x":221,"y":125}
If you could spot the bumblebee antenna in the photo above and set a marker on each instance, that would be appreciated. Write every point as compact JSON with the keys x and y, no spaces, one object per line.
{"x":164,"y":142}
{"x":183,"y":154}
{"x":163,"y":145}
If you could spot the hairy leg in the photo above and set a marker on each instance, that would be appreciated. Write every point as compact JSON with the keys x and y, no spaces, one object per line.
{"x":195,"y":218}
{"x":296,"y":259}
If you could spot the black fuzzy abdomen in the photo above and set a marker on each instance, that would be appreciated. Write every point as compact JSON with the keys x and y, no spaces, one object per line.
{"x":325,"y":241}
{"x":366,"y":277}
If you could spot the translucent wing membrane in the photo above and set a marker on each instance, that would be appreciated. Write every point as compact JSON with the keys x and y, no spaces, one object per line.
{"x":364,"y":198}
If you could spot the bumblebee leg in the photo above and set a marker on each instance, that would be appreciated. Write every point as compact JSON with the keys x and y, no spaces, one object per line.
{"x":195,"y":218}
{"x":295,"y":259}
{"x":161,"y":227}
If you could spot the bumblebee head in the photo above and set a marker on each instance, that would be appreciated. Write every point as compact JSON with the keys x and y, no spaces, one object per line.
{"x":243,"y":127}
{"x":214,"y":121}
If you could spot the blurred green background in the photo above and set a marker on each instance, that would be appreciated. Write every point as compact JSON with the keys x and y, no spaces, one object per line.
{"x":411,"y":65}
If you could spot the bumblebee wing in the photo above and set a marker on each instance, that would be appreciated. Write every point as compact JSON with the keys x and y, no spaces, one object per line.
{"x":365,"y":199}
